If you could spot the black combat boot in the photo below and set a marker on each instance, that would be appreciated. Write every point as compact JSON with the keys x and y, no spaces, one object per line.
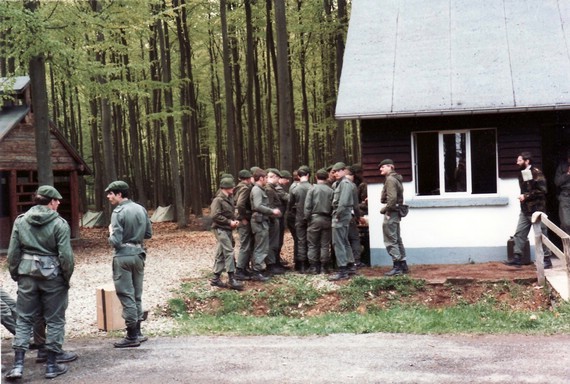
{"x":341,"y":274}
{"x":351,"y":269}
{"x":258,"y":276}
{"x":404,"y":266}
{"x":140,"y":337}
{"x":275,"y":269}
{"x":547,"y":262}
{"x":303,"y":267}
{"x":313,"y":269}
{"x":62,"y":357}
{"x":515,"y":262}
{"x":233,"y":283}
{"x":396,"y":269}
{"x":131,"y":340}
{"x":217,"y":282}
{"x":53,"y":369}
{"x":18,"y":369}
{"x":242,"y":274}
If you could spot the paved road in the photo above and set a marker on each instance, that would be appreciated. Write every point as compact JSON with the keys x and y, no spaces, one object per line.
{"x":369,"y":358}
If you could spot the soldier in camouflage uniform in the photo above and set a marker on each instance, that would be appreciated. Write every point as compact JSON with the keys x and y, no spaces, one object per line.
{"x":532,"y":199}
{"x":130,"y":225}
{"x":41,"y":260}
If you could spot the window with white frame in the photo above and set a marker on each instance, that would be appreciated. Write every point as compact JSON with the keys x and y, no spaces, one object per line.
{"x":454,"y":163}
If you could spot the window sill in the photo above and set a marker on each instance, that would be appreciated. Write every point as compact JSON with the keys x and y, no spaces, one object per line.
{"x":488,"y":201}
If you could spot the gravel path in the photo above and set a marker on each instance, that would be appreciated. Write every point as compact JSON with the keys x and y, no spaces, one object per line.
{"x":172,"y":256}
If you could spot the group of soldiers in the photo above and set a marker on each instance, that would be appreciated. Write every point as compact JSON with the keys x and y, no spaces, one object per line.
{"x":267,"y":201}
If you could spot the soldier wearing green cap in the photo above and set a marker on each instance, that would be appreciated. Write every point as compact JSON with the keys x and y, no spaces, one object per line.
{"x":297,"y":199}
{"x":260,"y":224}
{"x":317,"y":212}
{"x":343,"y":206}
{"x":41,"y":260}
{"x":392,"y":196}
{"x":243,"y":215}
{"x":130,"y":225}
{"x":223,"y":223}
{"x":274,"y":202}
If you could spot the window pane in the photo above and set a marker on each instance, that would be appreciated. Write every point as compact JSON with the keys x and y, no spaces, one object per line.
{"x":483,"y":161}
{"x":454,"y":162}
{"x":427,"y":163}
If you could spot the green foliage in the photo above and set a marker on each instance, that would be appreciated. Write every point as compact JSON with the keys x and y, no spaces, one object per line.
{"x":109,"y":54}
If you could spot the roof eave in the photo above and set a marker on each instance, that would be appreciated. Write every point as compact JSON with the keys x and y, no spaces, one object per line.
{"x":450,"y":112}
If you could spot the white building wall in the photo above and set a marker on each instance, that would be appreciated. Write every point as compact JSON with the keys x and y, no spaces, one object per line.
{"x":433,"y":235}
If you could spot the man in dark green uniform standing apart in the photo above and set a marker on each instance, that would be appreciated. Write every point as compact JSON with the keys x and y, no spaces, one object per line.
{"x":129,"y":227}
{"x":41,"y":261}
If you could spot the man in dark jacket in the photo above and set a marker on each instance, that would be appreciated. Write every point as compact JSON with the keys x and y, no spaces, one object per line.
{"x":562,"y":181}
{"x":223,"y":223}
{"x":392,"y":196}
{"x":41,"y":260}
{"x":532,"y":199}
{"x":130,"y":225}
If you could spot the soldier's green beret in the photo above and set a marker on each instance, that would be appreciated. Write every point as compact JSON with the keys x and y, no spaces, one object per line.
{"x":357,"y":168}
{"x":49,"y":191}
{"x":386,"y":162}
{"x":322,"y":174}
{"x":244,"y":174}
{"x":305,"y":169}
{"x":227,"y":183}
{"x":118,"y":185}
{"x":226,"y":176}
{"x":285,"y":174}
{"x":338,"y":166}
{"x":275,"y":171}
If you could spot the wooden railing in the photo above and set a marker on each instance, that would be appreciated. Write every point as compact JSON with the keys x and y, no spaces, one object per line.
{"x":539,"y":239}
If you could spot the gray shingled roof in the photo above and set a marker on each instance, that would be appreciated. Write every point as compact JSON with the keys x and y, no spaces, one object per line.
{"x":13,"y":84}
{"x":425,"y":57}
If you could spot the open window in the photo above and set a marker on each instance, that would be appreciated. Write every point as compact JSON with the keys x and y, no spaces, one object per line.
{"x":455,"y":163}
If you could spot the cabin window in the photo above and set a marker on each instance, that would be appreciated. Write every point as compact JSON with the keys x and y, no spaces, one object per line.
{"x":454,"y":163}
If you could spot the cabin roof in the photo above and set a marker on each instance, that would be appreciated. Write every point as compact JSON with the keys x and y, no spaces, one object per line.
{"x":417,"y":57}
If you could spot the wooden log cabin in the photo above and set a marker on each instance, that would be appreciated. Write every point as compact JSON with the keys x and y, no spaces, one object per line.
{"x":18,"y":161}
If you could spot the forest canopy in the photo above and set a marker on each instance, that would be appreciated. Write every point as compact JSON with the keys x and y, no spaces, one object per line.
{"x":169,"y":95}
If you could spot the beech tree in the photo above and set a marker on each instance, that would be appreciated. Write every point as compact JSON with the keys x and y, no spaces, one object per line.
{"x":167,"y":95}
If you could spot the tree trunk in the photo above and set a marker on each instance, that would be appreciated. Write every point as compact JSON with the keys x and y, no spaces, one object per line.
{"x":283,"y":88}
{"x":37,"y":68}
{"x":228,"y":82}
{"x":164,"y":44}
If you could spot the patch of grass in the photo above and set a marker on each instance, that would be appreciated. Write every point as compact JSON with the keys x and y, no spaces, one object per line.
{"x":360,"y":288}
{"x":416,"y":320}
{"x":285,"y":306}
